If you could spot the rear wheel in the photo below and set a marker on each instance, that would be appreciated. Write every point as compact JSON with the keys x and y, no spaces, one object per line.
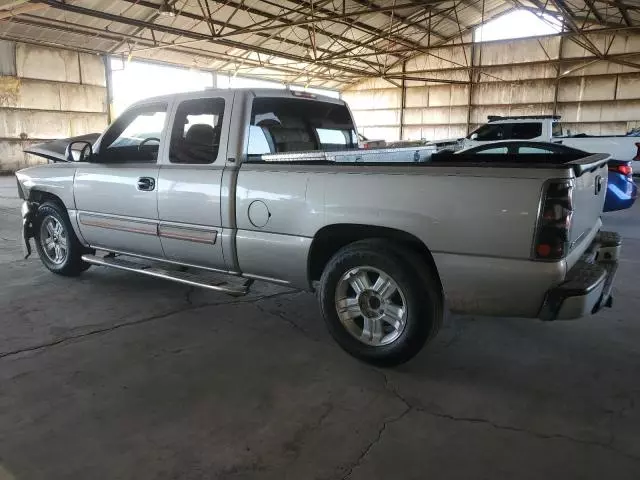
{"x":380,"y":303}
{"x":56,"y":242}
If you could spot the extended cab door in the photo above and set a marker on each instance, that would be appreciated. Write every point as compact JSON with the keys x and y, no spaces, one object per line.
{"x":189,"y":184}
{"x":116,"y":193}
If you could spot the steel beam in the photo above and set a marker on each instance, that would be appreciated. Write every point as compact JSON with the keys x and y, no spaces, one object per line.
{"x":61,"y":26}
{"x":196,"y":35}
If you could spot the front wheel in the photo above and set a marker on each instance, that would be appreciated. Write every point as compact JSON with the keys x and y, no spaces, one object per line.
{"x":380,"y":303}
{"x":56,"y":242}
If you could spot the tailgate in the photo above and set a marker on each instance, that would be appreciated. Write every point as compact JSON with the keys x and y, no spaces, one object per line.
{"x":589,"y":192}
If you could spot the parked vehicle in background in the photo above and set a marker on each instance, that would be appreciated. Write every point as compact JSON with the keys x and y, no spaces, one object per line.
{"x":266,"y":184}
{"x":621,"y":189}
{"x":547,"y":128}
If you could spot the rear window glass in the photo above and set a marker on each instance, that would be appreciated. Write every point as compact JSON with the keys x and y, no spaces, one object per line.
{"x":495,"y":150}
{"x":535,"y":150}
{"x":280,"y":125}
{"x":197,"y":127}
{"x":526,"y":131}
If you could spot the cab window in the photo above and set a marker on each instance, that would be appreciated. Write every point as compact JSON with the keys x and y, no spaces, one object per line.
{"x":556,"y":129}
{"x":195,"y":136}
{"x":135,"y":135}
{"x":494,"y":150}
{"x":489,"y":132}
{"x":281,"y":125}
{"x":535,"y":150}
{"x":526,"y":131}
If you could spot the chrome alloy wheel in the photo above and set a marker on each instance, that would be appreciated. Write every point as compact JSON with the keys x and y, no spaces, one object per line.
{"x":53,"y":239}
{"x":371,"y":306}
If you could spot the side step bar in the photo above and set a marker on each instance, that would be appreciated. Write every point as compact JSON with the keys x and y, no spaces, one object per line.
{"x":179,"y":277}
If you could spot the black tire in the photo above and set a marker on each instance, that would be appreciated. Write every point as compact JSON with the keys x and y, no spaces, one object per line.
{"x":417,"y":285}
{"x":71,"y":265}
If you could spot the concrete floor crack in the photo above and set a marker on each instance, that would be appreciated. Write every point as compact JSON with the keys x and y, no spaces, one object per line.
{"x":363,"y":455}
{"x":545,"y":436}
{"x":188,"y":293}
{"x":140,"y":321}
{"x":288,"y":321}
{"x":408,"y":408}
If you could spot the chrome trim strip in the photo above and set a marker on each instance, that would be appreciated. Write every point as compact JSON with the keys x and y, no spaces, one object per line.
{"x":188,"y":233}
{"x":174,"y":230}
{"x":124,"y":224}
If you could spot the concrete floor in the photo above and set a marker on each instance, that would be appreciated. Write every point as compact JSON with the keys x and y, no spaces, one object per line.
{"x":117,"y":376}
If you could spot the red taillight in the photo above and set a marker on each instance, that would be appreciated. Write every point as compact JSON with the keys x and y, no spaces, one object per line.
{"x":554,"y":221}
{"x":623,"y":169}
{"x":637,"y":157}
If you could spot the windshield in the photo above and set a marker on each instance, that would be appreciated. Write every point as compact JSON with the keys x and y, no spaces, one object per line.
{"x":556,"y":129}
{"x":489,"y":132}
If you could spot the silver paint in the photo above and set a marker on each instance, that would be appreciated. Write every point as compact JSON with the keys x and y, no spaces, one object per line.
{"x":477,"y":222}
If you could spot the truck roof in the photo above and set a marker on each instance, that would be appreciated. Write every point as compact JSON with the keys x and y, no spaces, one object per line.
{"x":258,"y":92}
{"x":497,"y":118}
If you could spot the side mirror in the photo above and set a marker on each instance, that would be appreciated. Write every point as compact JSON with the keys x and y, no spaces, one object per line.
{"x":474,"y":136}
{"x":78,"y":151}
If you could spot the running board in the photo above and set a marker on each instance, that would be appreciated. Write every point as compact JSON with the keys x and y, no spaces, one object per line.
{"x":185,"y":278}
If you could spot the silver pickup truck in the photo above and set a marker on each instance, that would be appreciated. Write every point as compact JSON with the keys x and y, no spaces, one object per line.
{"x":270,"y":185}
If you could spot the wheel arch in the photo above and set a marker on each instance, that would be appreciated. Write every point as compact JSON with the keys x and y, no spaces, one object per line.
{"x":331,"y":238}
{"x":39,"y":197}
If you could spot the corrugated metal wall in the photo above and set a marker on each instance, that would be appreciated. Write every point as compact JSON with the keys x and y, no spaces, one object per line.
{"x":531,"y":76}
{"x":47,"y":93}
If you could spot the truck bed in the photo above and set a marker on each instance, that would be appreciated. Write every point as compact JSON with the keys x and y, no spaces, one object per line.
{"x":427,"y":156}
{"x":419,"y":154}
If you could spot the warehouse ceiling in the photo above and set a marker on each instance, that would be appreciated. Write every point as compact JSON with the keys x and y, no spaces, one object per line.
{"x":325,"y":43}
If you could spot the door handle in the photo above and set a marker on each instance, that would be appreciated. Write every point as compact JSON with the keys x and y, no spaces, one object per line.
{"x":146,"y":184}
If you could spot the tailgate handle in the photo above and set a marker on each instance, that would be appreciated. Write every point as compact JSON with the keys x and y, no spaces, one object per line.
{"x":598,"y":184}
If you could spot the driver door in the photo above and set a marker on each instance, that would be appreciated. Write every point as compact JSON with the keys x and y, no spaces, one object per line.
{"x":116,"y":192}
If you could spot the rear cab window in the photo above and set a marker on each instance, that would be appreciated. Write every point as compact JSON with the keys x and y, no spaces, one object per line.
{"x":535,"y":150}
{"x":283,"y":125}
{"x":526,"y":131}
{"x":556,"y":129}
{"x":195,"y":136}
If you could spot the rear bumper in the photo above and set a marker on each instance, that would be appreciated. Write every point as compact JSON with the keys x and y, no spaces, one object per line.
{"x":587,"y":286}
